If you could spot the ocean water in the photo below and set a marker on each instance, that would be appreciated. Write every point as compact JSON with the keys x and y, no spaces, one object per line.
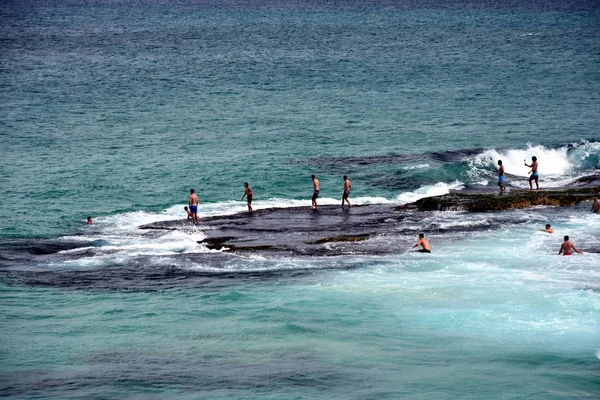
{"x":116,"y":109}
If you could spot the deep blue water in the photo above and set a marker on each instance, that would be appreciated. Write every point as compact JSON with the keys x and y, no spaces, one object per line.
{"x":115,"y":109}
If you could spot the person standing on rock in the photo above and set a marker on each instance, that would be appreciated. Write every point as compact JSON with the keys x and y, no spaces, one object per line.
{"x":315,"y":191}
{"x":501,"y":176}
{"x":424,"y":243}
{"x":347,"y":186}
{"x":193,"y":203}
{"x":534,"y":173}
{"x":248,"y":192}
{"x":596,"y":206}
{"x":567,"y":247}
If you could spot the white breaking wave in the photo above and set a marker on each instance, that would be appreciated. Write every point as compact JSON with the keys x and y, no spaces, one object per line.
{"x":557,"y":167}
{"x":438,"y":189}
{"x":552,"y":162}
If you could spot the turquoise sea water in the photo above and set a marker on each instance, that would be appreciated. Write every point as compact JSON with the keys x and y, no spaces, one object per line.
{"x":116,"y":109}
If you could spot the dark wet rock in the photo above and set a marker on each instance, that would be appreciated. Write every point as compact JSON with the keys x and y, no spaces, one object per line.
{"x":217,"y":240}
{"x":479,"y":202}
{"x":330,"y":230}
{"x":231,"y":247}
{"x":590,"y":180}
{"x":371,"y":229}
{"x":356,"y":238}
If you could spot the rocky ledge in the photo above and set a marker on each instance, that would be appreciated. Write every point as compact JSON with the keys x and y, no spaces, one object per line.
{"x":372,"y":229}
{"x":479,"y":202}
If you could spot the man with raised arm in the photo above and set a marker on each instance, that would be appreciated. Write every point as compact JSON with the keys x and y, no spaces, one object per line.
{"x":535,"y":176}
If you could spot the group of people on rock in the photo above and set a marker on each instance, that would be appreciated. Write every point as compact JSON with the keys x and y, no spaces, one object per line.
{"x":192,"y":208}
{"x":566,"y":248}
{"x":535,"y":176}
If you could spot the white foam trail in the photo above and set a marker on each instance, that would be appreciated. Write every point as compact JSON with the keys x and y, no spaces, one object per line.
{"x":438,"y":189}
{"x":557,"y":167}
{"x":418,"y":166}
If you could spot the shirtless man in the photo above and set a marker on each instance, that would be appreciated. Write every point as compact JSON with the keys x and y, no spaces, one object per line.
{"x":424,"y":243}
{"x":89,"y":220}
{"x":347,"y":186}
{"x":534,"y":173}
{"x":315,"y":191}
{"x":596,"y":206}
{"x":567,"y":248}
{"x":248,"y":192}
{"x":501,"y":176}
{"x":193,"y":203}
{"x":548,"y":229}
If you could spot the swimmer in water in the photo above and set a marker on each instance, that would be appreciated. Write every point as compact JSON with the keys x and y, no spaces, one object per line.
{"x":567,"y":247}
{"x":89,"y":220}
{"x":596,"y":206}
{"x":424,"y":243}
{"x":548,"y":229}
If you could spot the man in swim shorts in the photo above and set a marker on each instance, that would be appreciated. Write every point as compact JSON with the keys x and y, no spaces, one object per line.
{"x":534,"y":173}
{"x":249,"y":194}
{"x":501,"y":176}
{"x":315,"y":191}
{"x":567,"y":247}
{"x":193,"y":203}
{"x":347,"y":186}
{"x":596,"y":206}
{"x":424,"y":243}
{"x":548,"y":229}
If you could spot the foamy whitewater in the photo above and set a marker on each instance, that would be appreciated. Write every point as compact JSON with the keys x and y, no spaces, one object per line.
{"x":114,"y":110}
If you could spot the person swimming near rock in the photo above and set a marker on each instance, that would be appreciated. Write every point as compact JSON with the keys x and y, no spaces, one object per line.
{"x":424,"y":243}
{"x":567,"y":247}
{"x":596,"y":206}
{"x":347,"y":186}
{"x":535,"y":176}
{"x":249,"y":195}
{"x":193,"y":203}
{"x":548,"y":229}
{"x":89,"y":220}
{"x":501,"y":176}
{"x":315,"y":191}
